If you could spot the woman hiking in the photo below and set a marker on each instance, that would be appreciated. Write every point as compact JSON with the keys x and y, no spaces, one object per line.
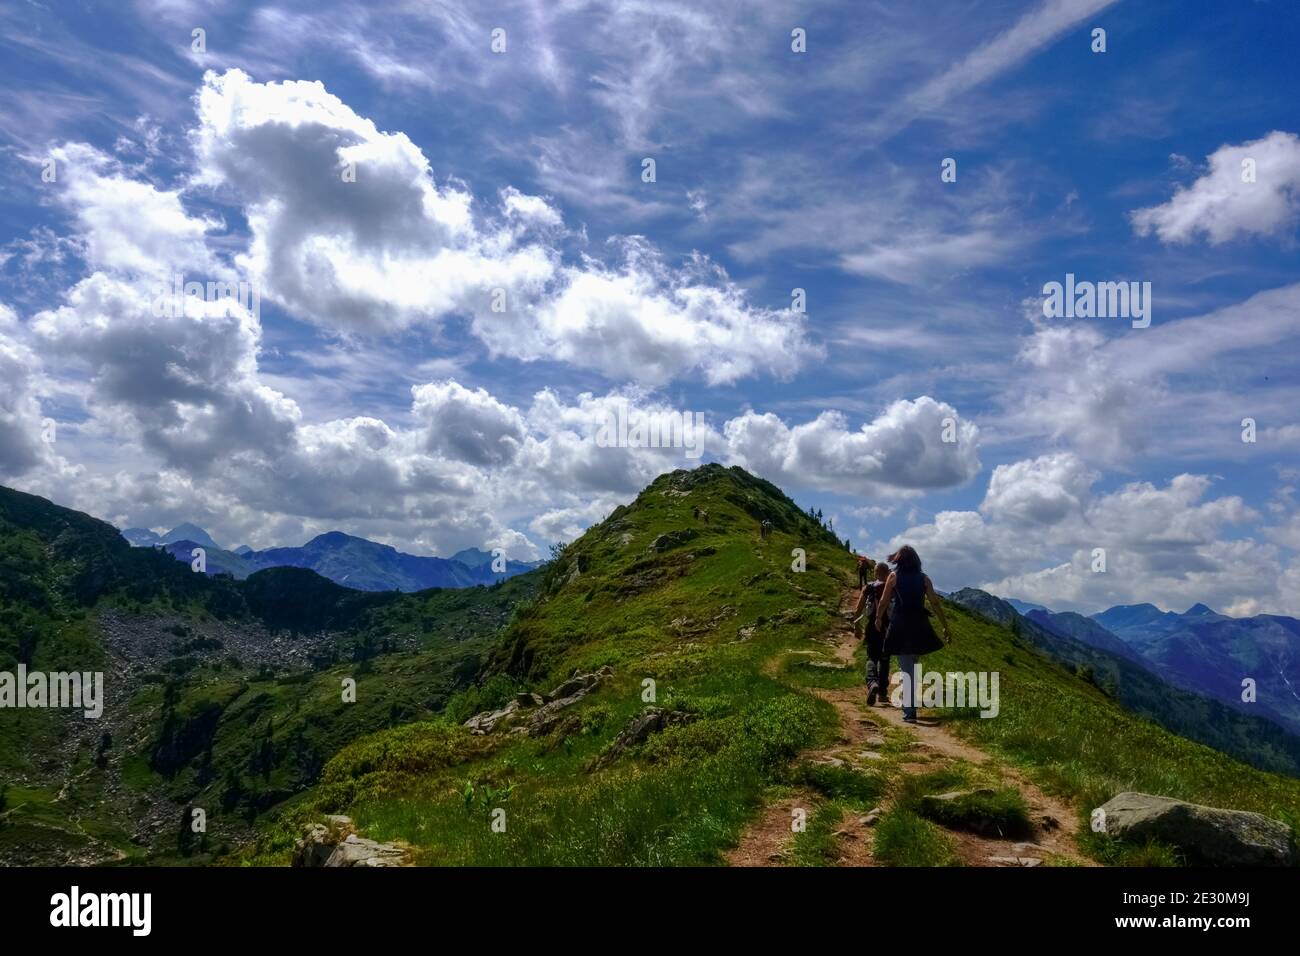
{"x":910,"y":634}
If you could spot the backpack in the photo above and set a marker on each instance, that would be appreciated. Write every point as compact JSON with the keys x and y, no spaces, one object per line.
{"x":874,"y":589}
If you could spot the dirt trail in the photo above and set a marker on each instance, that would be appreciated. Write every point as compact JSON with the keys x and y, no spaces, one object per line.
{"x":767,"y":841}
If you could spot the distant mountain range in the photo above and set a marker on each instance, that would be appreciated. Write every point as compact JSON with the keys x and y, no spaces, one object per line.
{"x":1199,"y":650}
{"x":344,"y":559}
{"x":1256,"y":733}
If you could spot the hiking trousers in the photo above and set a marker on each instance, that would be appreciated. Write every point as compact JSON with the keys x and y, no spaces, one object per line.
{"x":907,"y":665}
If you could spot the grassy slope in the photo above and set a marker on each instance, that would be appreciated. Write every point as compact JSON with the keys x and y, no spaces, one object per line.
{"x":671,"y":616}
{"x":1078,"y":742}
{"x":239,"y":740}
{"x":685,"y":797}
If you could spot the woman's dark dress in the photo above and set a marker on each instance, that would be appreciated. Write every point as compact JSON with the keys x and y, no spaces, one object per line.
{"x":909,"y":630}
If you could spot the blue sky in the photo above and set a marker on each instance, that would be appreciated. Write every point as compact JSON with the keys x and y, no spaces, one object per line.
{"x":375,"y":390}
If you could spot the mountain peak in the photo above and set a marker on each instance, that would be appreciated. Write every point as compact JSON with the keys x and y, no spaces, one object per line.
{"x":189,"y":532}
{"x":1200,"y":610}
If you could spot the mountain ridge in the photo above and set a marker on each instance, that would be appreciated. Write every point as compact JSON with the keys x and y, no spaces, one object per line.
{"x":345,"y":559}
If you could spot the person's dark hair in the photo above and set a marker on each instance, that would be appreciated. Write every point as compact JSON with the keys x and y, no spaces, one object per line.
{"x":906,"y":559}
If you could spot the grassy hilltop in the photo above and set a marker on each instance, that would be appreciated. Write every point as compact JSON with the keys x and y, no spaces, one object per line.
{"x":732,"y":636}
{"x":228,"y":699}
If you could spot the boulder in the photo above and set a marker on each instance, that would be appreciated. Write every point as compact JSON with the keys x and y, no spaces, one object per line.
{"x":336,"y":844}
{"x":673,"y":539}
{"x":650,"y":721}
{"x":1207,"y":835}
{"x":544,"y":711}
{"x":487,"y":721}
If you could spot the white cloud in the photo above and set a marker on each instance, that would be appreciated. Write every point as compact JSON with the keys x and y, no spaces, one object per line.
{"x":380,"y":253}
{"x":1040,"y":491}
{"x":469,"y":426}
{"x":189,"y":379}
{"x":127,"y":226}
{"x":1041,"y":525}
{"x":648,"y":322}
{"x":393,"y":249}
{"x":1031,"y":33}
{"x":901,"y":452}
{"x":21,"y":445}
{"x":1221,"y":205}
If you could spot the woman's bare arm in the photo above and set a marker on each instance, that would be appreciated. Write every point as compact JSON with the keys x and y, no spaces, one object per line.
{"x":937,"y":605}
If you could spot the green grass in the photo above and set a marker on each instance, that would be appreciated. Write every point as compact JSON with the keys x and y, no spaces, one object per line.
{"x":1077,"y":742}
{"x":717,"y":624}
{"x":904,"y":839}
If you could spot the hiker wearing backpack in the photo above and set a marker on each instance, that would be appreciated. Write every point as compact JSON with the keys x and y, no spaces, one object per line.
{"x":910,"y":634}
{"x":874,"y":636}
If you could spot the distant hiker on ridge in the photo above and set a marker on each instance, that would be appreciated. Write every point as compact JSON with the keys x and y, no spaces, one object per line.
{"x":910,"y":634}
{"x":765,"y":529}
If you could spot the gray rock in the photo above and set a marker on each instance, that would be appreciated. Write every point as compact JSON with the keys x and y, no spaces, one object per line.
{"x":544,"y":711}
{"x":358,"y":851}
{"x":672,"y":539}
{"x":650,"y":721}
{"x":1207,"y":835}
{"x":336,"y":844}
{"x":487,"y":721}
{"x":1014,"y":860}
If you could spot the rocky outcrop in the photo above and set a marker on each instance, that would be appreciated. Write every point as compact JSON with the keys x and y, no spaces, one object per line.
{"x":650,"y":721}
{"x":538,"y":714}
{"x":1206,"y":835}
{"x":335,"y":843}
{"x":672,"y":539}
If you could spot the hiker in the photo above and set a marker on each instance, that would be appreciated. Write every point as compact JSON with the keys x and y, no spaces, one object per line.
{"x":765,"y":529}
{"x":873,"y":636}
{"x":864,"y":570}
{"x":910,"y":634}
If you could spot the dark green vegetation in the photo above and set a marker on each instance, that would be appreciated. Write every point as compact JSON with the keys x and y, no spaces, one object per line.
{"x":221,"y":695}
{"x":234,"y":703}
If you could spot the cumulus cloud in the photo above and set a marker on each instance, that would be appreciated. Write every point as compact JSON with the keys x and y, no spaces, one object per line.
{"x":469,"y":426}
{"x":376,"y":251}
{"x":188,"y":377}
{"x":21,"y":445}
{"x":1112,"y":397}
{"x":913,"y":446}
{"x":391,"y":247}
{"x":646,"y":321}
{"x":127,"y":226}
{"x":1223,"y":205}
{"x":1039,"y":528}
{"x":1040,"y":491}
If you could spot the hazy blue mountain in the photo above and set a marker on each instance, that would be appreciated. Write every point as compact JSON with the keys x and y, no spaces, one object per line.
{"x":190,"y":532}
{"x":473,"y":557}
{"x":1122,"y":616}
{"x":1250,"y":733}
{"x":1213,"y":654}
{"x":1024,"y":607}
{"x":1083,"y":629}
{"x":216,"y":560}
{"x":144,"y":538}
{"x":342,"y":558}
